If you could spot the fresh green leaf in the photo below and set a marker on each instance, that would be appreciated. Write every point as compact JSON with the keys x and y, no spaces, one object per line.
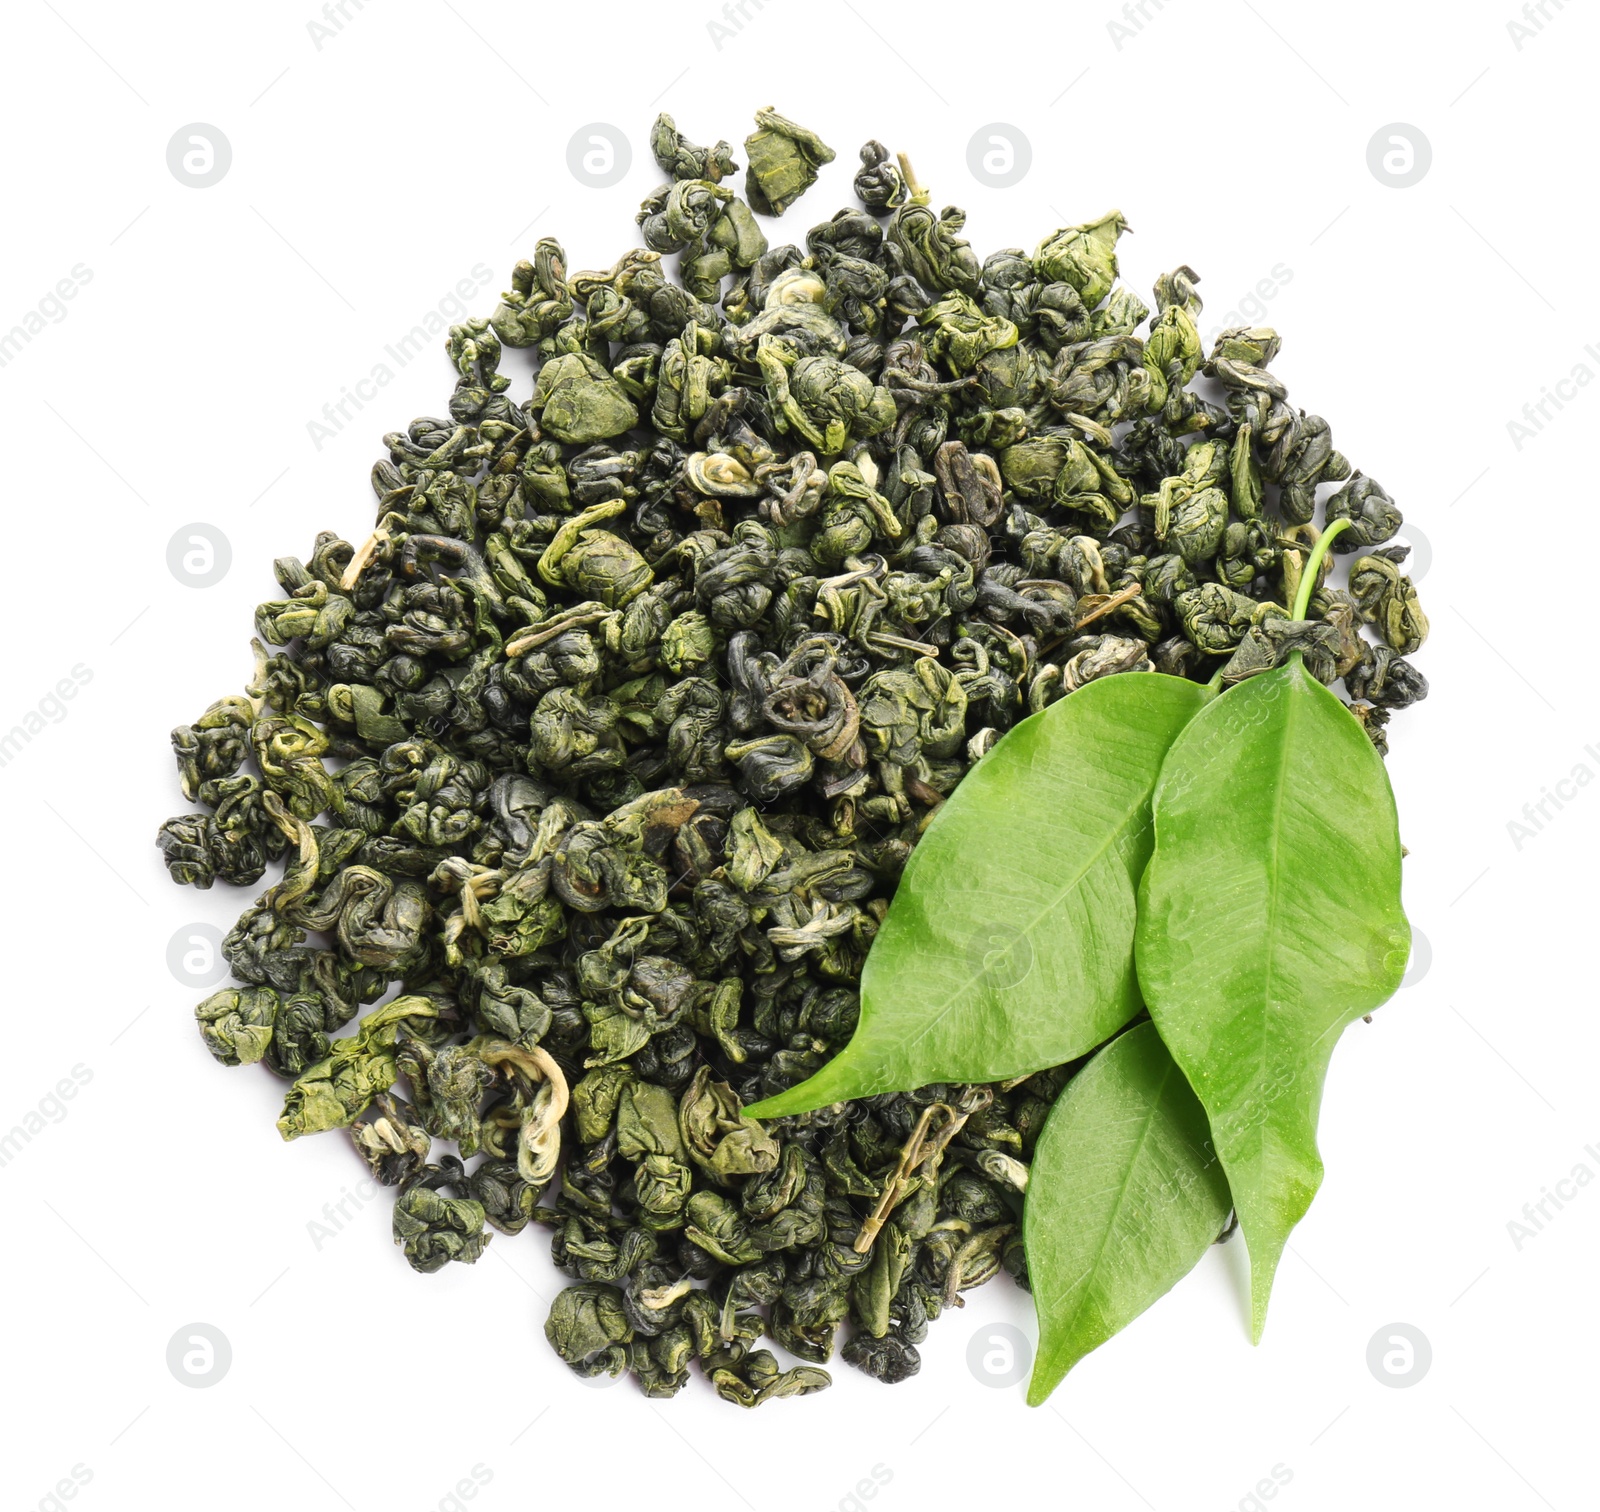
{"x":1009,"y":945}
{"x":1269,"y":919}
{"x":1124,"y":1197}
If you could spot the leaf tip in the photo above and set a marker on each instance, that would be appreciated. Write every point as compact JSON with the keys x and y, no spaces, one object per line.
{"x":1042,"y":1382}
{"x":1261,"y":1275}
{"x":815,"y":1092}
{"x":771,"y":1107}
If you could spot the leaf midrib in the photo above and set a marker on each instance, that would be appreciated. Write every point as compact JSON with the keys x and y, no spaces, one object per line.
{"x":1274,"y":898}
{"x":1092,"y":1270}
{"x":1071,"y":885}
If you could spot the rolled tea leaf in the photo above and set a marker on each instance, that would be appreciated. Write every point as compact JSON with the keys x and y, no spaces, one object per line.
{"x":1269,"y":919}
{"x":784,"y":158}
{"x":1009,"y":945}
{"x":1124,"y":1197}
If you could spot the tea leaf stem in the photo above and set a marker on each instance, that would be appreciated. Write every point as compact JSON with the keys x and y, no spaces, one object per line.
{"x":1308,"y":573}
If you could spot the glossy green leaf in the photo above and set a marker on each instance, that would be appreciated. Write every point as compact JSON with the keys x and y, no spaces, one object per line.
{"x":1269,"y":919}
{"x":1124,"y":1197}
{"x":1009,"y":945}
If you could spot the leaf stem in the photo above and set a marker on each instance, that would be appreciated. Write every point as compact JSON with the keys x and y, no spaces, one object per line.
{"x":1308,"y":573}
{"x":918,"y":195}
{"x":922,"y":1147}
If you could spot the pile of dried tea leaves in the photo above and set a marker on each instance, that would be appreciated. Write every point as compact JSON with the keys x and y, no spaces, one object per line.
{"x":596,"y":763}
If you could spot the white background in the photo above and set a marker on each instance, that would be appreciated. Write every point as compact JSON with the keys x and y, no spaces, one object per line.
{"x":368,"y":175}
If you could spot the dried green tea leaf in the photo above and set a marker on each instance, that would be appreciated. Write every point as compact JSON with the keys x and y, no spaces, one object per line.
{"x":1009,"y":946}
{"x":1124,"y":1197}
{"x":784,"y":158}
{"x":1270,"y":918}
